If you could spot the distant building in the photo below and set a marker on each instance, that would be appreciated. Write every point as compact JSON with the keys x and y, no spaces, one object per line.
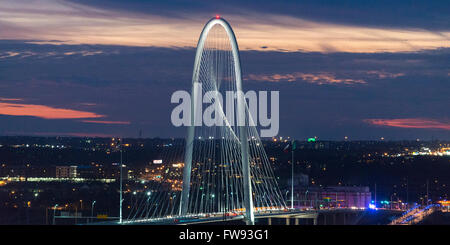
{"x":337,"y":196}
{"x":87,"y":172}
{"x":66,"y":172}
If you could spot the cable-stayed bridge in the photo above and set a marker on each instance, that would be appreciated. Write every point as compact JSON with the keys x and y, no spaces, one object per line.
{"x":219,"y":171}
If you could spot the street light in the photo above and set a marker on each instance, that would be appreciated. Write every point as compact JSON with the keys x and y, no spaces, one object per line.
{"x":54,"y":213}
{"x":391,"y":201}
{"x":306,"y":193}
{"x":287,"y":192}
{"x":121,"y":191}
{"x":92,"y":209}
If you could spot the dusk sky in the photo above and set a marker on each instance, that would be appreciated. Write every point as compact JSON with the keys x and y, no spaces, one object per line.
{"x":362,"y":69}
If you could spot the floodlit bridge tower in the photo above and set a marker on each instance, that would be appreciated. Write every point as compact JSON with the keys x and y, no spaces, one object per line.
{"x":203,"y":54}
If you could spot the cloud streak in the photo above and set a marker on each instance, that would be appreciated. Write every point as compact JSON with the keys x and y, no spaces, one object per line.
{"x":319,"y":78}
{"x":423,"y":123}
{"x":82,"y":24}
{"x":384,"y":74}
{"x":10,"y":99}
{"x":43,"y":111}
{"x":107,"y":122}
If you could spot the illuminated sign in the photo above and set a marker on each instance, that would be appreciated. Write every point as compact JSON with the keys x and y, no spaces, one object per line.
{"x":102,"y":216}
{"x":157,"y":161}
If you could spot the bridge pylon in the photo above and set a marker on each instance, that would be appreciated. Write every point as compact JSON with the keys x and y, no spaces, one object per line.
{"x":242,"y":119}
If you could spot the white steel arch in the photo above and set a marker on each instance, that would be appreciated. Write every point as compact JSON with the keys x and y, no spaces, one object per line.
{"x":241,"y":115}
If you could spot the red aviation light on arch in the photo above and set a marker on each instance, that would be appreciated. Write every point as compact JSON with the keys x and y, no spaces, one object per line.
{"x":217,"y":16}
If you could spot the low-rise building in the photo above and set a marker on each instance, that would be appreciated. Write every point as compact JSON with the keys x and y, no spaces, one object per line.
{"x":66,"y":172}
{"x":331,"y":197}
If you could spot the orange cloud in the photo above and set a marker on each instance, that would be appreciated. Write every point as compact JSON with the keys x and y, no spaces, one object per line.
{"x":411,"y":123}
{"x":107,"y":122}
{"x":320,"y":78}
{"x":81,"y":24}
{"x":10,"y":99}
{"x":43,"y":111}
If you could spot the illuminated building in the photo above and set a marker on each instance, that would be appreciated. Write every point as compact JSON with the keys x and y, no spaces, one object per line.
{"x":66,"y":172}
{"x":333,"y":197}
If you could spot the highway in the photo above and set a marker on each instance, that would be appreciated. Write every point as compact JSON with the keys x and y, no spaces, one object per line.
{"x":414,"y":215}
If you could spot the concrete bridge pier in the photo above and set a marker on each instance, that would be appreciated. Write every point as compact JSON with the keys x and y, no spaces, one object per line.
{"x":292,"y":219}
